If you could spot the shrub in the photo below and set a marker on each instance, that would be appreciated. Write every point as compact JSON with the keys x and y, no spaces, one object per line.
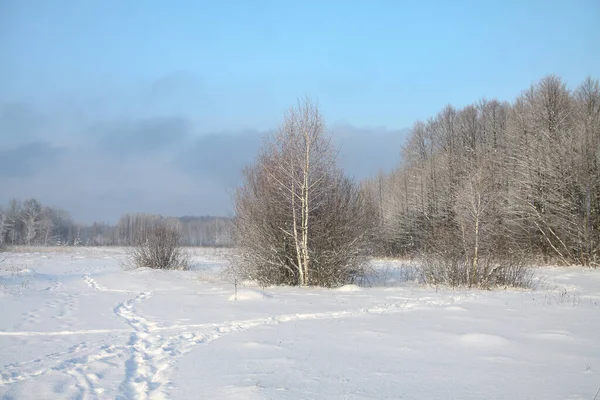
{"x":458,"y":271}
{"x":158,"y":248}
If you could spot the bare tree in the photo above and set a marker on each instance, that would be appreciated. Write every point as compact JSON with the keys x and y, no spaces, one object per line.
{"x":32,"y":220}
{"x":3,"y":228}
{"x":13,"y":222}
{"x":298,"y":220}
{"x":587,"y":145}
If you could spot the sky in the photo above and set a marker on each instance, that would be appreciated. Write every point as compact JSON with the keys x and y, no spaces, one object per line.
{"x":155,"y":106}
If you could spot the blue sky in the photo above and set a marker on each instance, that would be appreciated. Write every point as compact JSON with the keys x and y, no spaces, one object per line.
{"x":75,"y":69}
{"x":240,"y":63}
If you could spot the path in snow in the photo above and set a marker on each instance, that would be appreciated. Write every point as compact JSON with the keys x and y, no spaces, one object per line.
{"x":152,"y":348}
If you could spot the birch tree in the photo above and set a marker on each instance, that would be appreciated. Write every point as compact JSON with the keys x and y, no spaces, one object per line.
{"x":298,"y":219}
{"x":3,"y":226}
{"x":587,"y":145}
{"x":13,"y":222}
{"x":32,"y":220}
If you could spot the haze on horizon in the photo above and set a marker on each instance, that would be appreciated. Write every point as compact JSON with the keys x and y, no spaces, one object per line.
{"x":155,"y":107}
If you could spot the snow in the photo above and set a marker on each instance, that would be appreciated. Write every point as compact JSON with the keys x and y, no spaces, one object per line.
{"x":76,"y":324}
{"x":248,"y":294}
{"x":349,"y":288}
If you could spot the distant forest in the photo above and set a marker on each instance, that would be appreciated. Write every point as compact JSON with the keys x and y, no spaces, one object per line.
{"x":29,"y":222}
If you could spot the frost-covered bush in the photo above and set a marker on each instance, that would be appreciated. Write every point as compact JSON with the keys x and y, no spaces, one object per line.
{"x":158,"y":248}
{"x":486,"y":273}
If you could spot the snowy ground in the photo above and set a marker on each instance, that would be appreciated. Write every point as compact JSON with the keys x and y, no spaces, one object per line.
{"x":74,"y":324}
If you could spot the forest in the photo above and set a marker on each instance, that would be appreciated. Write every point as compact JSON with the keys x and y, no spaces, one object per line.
{"x":497,"y":179}
{"x":29,"y":222}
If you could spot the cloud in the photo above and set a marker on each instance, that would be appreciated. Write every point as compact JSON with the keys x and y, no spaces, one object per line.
{"x":158,"y":164}
{"x":19,"y":122}
{"x":28,"y":159}
{"x":363,"y":152}
{"x":144,"y":137}
{"x":221,"y":156}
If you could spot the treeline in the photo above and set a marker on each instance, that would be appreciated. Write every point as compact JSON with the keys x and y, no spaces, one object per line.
{"x":193,"y":231}
{"x":497,"y":179}
{"x":31,"y":223}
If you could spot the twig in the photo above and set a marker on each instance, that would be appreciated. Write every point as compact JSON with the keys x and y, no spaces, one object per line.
{"x":598,"y":392}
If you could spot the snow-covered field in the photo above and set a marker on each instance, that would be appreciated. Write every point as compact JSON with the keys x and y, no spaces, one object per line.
{"x":75,"y":324}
